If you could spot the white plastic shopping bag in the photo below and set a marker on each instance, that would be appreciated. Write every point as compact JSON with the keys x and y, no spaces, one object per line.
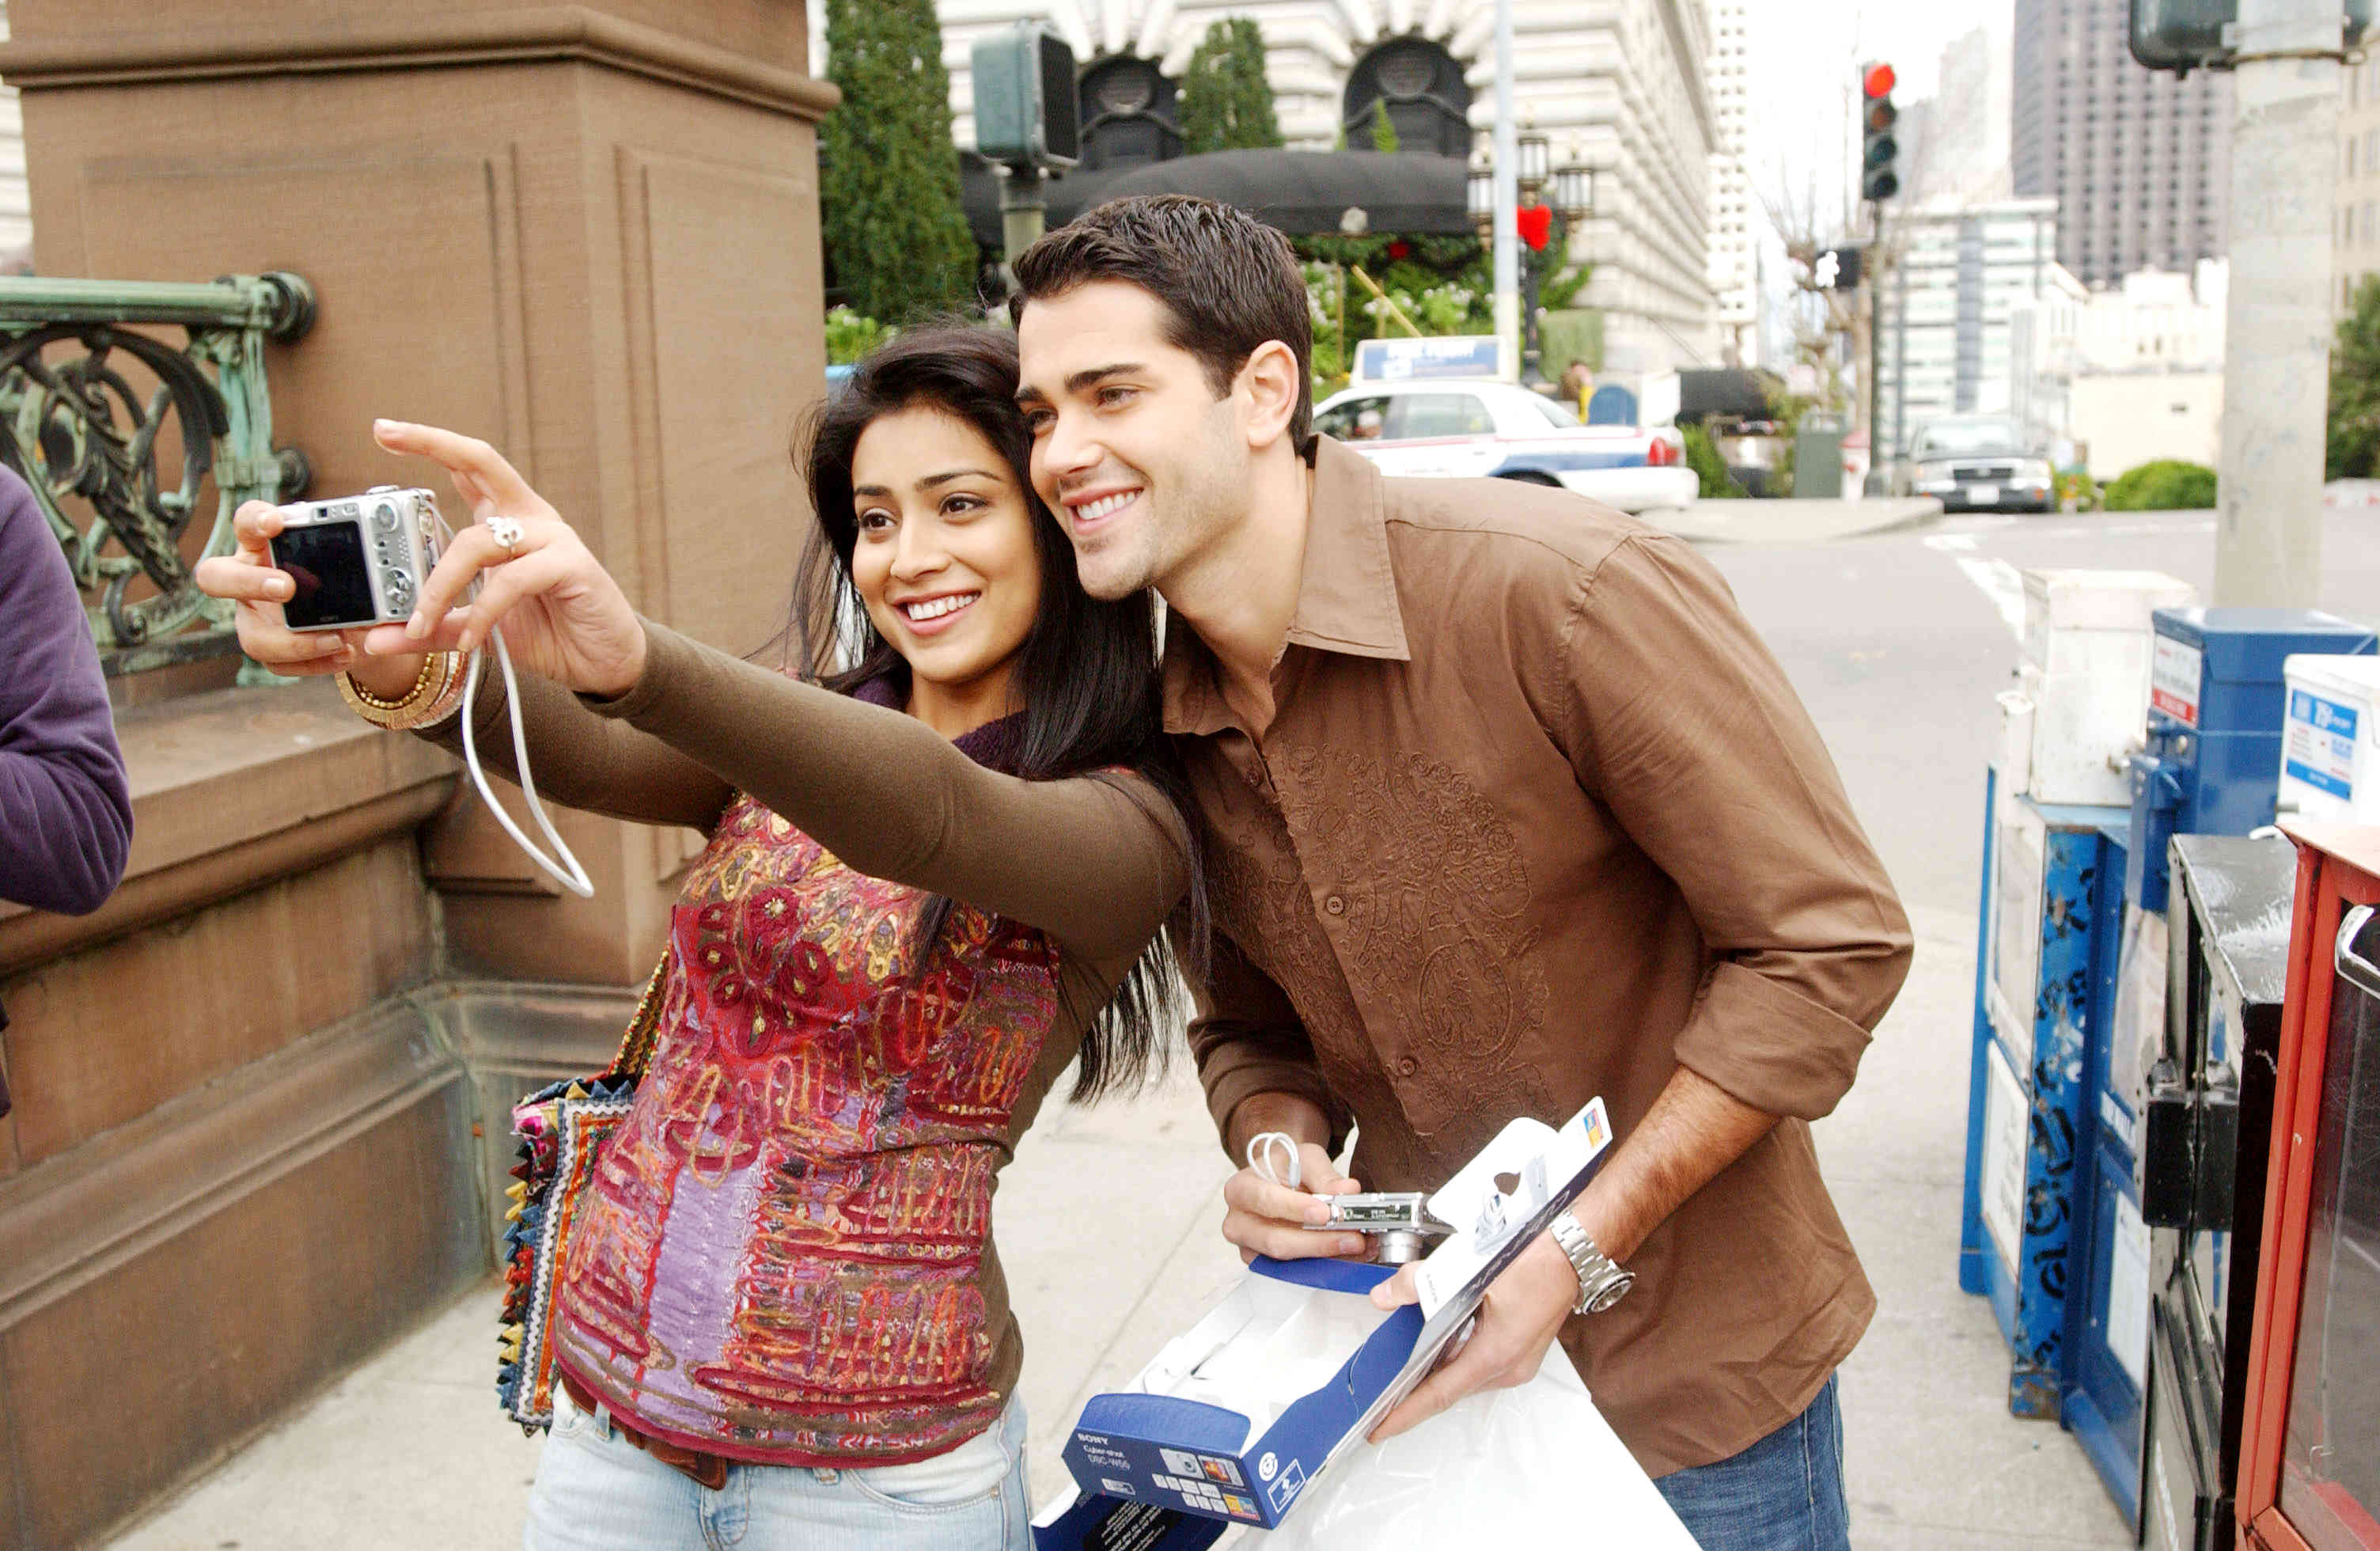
{"x":1264,"y":1404}
{"x":1533,"y":1465}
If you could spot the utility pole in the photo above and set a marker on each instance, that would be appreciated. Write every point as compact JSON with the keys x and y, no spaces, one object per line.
{"x":1871,"y":398}
{"x":1507,"y":234}
{"x":2276,"y":331}
{"x":1024,"y":211}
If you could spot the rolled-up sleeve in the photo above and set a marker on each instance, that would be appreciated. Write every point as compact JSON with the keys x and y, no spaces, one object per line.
{"x":1679,"y":721}
{"x":1248,"y":1039}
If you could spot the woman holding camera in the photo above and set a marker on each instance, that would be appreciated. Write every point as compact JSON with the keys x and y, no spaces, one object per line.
{"x":933,"y":879}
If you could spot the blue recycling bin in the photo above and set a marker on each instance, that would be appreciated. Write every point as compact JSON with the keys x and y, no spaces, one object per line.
{"x":2211,"y":766}
{"x":2045,"y":976}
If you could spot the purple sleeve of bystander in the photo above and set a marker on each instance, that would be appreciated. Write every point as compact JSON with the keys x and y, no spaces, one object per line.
{"x":66,"y":808}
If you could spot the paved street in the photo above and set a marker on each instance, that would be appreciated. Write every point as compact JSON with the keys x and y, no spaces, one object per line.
{"x":1897,"y":642}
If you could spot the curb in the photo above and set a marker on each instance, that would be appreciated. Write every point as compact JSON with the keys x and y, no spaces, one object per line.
{"x":1921,"y":510}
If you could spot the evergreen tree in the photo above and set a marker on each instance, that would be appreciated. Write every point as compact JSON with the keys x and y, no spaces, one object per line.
{"x":2354,"y":449}
{"x":1226,"y":101}
{"x":889,"y":184}
{"x":1384,"y":128}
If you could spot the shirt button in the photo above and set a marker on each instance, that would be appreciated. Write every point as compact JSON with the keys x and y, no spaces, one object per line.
{"x":1407,"y":1066}
{"x":1335,"y":906}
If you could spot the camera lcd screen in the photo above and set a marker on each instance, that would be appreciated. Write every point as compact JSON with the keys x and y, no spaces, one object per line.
{"x":327,"y":562}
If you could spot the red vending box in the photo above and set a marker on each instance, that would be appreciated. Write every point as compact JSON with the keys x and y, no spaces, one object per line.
{"x":2309,"y":1461}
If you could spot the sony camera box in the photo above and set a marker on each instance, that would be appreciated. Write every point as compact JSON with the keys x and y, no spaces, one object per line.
{"x":1237,"y":1418}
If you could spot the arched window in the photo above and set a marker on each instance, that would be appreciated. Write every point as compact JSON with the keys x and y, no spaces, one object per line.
{"x":1129,"y":115}
{"x":1420,"y":87}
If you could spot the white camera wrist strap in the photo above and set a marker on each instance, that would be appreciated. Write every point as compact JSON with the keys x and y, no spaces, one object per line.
{"x":575,"y":877}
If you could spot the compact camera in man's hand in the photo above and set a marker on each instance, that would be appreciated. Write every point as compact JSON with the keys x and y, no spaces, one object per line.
{"x":357,"y":560}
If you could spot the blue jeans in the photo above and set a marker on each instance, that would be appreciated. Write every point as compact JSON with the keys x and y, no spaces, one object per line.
{"x":1784,"y":1492}
{"x":597,"y":1492}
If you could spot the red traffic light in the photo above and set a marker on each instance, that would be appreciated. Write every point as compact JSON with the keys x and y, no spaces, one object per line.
{"x":1878,"y":80}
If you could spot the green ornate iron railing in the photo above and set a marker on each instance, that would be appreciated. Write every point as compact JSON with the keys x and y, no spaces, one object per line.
{"x":118,"y":432}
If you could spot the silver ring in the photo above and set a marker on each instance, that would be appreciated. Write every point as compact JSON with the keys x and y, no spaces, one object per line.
{"x":506,"y":532}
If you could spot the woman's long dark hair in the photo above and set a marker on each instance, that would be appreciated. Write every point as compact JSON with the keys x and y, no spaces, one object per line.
{"x":1087,"y":674}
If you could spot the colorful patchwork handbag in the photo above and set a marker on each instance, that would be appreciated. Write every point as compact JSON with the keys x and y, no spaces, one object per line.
{"x":561,"y":1127}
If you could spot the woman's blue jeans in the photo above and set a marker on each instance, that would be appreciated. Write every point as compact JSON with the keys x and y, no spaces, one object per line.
{"x":1784,"y":1492}
{"x":596,"y":1491}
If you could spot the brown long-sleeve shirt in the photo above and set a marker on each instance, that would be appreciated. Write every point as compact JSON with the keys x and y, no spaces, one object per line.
{"x":1538,"y":818}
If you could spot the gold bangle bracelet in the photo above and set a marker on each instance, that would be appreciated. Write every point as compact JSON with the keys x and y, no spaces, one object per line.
{"x":446,"y":701}
{"x":423,"y":704}
{"x":420,"y":683}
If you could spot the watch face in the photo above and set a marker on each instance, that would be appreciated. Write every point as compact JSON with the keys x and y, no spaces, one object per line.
{"x":1611,"y":1292}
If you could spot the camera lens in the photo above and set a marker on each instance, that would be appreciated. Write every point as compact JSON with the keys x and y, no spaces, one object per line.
{"x":385,"y":517}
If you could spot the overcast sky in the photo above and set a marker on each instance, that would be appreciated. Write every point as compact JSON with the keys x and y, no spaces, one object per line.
{"x":1804,"y":56}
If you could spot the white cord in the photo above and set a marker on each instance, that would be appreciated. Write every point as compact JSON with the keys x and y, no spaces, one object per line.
{"x":575,"y":879}
{"x":1261,"y":1147}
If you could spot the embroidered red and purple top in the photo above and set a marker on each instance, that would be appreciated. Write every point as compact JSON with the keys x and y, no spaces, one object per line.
{"x":787,"y":1255}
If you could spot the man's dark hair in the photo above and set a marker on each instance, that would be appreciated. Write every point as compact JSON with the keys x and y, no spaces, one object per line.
{"x":1228,"y":282}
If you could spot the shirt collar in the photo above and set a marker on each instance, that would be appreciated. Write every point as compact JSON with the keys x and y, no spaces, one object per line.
{"x":1346,"y":591}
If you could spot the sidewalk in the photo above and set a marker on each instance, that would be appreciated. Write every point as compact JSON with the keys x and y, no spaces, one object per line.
{"x":1108,"y":1223}
{"x":1794,"y":522}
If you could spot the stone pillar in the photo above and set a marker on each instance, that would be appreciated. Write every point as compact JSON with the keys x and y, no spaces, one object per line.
{"x":261,"y":1095}
{"x":586,"y":232}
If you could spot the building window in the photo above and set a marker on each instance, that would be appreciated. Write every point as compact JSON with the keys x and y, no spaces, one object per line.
{"x":1421,"y":89}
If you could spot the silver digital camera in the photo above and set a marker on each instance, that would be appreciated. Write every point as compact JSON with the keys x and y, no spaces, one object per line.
{"x":357,"y":560}
{"x":1399,"y":1223}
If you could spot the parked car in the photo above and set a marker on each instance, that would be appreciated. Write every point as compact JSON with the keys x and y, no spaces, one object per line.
{"x":1983,"y":463}
{"x":1455,"y":427}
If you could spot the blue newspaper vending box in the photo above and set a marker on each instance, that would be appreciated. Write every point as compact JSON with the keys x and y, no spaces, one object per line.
{"x":2052,"y":890}
{"x":2216,"y":698}
{"x":2211,"y":766}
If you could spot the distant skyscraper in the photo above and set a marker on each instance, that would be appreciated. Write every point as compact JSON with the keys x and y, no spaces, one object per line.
{"x":1943,"y":345}
{"x":1966,"y":153}
{"x":2139,"y":161}
{"x":1733,"y":276}
{"x":2355,"y":210}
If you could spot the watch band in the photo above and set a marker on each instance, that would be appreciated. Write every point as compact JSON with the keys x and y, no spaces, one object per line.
{"x":1600,"y":1282}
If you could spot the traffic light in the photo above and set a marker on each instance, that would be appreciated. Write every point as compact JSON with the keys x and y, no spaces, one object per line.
{"x":1027,"y":111}
{"x":2183,"y":35}
{"x":1877,"y":148}
{"x":2179,"y":35}
{"x":1837,"y":269}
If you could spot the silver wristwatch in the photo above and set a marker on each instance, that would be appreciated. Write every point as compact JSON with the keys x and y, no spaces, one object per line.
{"x":1600,"y":1283}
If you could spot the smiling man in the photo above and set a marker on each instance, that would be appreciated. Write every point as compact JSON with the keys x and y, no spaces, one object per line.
{"x":1508,"y":808}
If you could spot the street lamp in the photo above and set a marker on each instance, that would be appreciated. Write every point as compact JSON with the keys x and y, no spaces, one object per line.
{"x":1533,"y":152}
{"x":1572,"y":187}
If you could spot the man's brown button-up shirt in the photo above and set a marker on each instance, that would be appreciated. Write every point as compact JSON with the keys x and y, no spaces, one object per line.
{"x":1538,"y":818}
